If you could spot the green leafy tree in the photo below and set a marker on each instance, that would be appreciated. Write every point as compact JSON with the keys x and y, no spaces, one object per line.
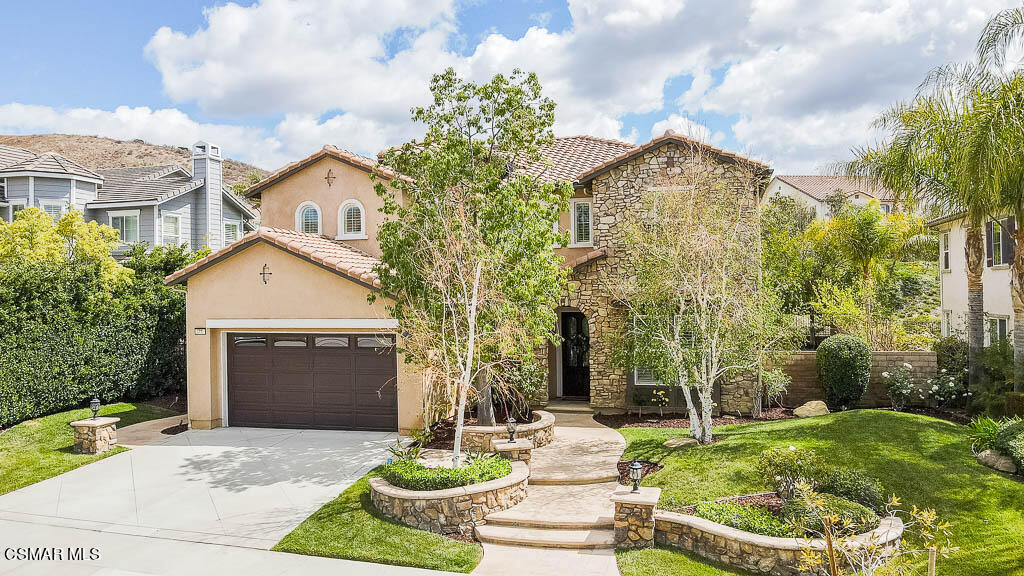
{"x":467,"y":246}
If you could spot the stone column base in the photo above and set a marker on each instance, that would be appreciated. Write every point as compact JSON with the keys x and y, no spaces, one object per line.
{"x":95,"y":435}
{"x":514,"y":451}
{"x":634,"y":516}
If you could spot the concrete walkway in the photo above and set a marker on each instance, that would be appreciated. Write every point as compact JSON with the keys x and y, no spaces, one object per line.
{"x":565,"y":524}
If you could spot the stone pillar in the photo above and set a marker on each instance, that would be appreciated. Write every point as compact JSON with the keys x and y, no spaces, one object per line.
{"x":95,"y":435}
{"x":634,"y":516}
{"x":514,"y":451}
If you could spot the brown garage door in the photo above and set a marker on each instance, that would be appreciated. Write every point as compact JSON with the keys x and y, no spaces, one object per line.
{"x":331,"y":381}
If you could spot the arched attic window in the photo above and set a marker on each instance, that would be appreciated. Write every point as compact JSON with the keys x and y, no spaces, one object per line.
{"x":351,"y":221}
{"x":308,"y":218}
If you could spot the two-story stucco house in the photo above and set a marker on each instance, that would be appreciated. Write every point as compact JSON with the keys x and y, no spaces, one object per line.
{"x":155,"y":205}
{"x":995,"y":276}
{"x":814,"y":190}
{"x":304,"y":349}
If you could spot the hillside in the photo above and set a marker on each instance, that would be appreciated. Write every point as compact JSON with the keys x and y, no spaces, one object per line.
{"x":96,"y":152}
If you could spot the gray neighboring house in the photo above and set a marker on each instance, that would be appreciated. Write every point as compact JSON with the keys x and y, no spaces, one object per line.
{"x":157,"y":205}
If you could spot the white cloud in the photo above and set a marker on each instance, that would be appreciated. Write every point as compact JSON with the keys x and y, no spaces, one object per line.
{"x":682,"y":125}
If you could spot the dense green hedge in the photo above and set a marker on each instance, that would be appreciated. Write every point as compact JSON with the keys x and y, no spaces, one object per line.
{"x":1010,"y":441}
{"x":412,"y":475}
{"x":747,"y":518}
{"x":64,"y":338}
{"x":849,"y":517}
{"x":844,"y":369}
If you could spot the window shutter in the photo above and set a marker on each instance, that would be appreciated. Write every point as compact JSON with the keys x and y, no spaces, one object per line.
{"x":1009,"y":225}
{"x":988,"y":243}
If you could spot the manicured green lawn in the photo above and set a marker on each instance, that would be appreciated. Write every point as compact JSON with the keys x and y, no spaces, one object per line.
{"x":39,"y":449}
{"x":925,"y":461}
{"x":350,"y":527}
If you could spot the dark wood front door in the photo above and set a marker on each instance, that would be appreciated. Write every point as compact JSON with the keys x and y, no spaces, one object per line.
{"x":326,"y":381}
{"x":575,"y":355}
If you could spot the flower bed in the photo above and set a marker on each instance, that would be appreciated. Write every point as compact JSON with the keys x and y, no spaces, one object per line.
{"x":451,"y":510}
{"x":754,"y":552}
{"x":481,"y":438}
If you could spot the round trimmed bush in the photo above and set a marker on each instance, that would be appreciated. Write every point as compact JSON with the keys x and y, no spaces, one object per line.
{"x":850,"y":517}
{"x":1010,"y":441}
{"x":844,"y":368}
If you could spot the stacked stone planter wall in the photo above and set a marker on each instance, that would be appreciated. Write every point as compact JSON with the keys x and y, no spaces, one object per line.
{"x":482,"y":438}
{"x":455,"y":510}
{"x":754,"y":552}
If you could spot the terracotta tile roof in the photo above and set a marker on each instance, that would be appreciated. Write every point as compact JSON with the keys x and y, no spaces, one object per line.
{"x":52,"y":163}
{"x":669,"y":136}
{"x":568,"y":157}
{"x":334,"y":255}
{"x":585,"y":258}
{"x":819,"y":187}
{"x":362,"y":162}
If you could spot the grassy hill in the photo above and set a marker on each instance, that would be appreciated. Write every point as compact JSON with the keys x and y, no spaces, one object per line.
{"x":96,"y":152}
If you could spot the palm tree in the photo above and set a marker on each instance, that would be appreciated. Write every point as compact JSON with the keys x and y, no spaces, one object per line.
{"x":923,"y":160}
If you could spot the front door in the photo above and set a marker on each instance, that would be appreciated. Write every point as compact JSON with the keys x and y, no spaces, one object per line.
{"x":575,"y":356}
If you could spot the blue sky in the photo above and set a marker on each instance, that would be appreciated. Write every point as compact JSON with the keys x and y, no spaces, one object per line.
{"x":793,"y":83}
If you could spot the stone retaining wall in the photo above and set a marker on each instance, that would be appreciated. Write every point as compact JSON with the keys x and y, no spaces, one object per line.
{"x":481,"y":438}
{"x":455,"y":510}
{"x":754,"y":552}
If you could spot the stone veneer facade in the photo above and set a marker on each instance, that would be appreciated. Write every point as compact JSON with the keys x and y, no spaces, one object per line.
{"x":451,"y":511}
{"x":616,"y":193}
{"x":482,"y":438}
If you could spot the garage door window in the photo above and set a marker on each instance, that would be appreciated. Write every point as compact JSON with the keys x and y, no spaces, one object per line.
{"x":250,"y":341}
{"x":332,"y":342}
{"x":295,"y":342}
{"x":373,"y":342}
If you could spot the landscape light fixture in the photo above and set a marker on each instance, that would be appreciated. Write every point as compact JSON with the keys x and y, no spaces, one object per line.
{"x":636,"y":472}
{"x":94,"y":405}
{"x":511,"y":427}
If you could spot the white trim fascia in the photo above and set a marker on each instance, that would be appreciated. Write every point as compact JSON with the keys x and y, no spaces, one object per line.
{"x":98,"y":205}
{"x":302,"y":323}
{"x":231,"y":196}
{"x":319,"y":216}
{"x":72,"y":195}
{"x":224,"y":379}
{"x":342,"y":235}
{"x":31,"y":191}
{"x":56,"y":175}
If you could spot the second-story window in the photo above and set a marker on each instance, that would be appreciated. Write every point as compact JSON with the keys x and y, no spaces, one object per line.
{"x":172,"y":230}
{"x":351,"y":221}
{"x":307,"y":218}
{"x":127,"y":224}
{"x":582,"y":223}
{"x":945,"y":250}
{"x":997,"y":243}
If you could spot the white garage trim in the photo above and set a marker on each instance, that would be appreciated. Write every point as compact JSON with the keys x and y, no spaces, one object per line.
{"x":223,"y":378}
{"x":303,"y":323}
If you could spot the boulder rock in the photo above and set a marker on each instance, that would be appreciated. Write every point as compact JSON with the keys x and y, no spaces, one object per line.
{"x":997,"y":461}
{"x":811,"y":409}
{"x":680,"y":441}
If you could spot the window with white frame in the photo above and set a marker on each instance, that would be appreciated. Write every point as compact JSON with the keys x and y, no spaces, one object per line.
{"x":645,"y":377}
{"x":351,"y":221}
{"x":16,"y":206}
{"x":126,"y":222}
{"x":945,"y":250}
{"x":582,"y":223}
{"x":232,"y":231}
{"x":997,"y":243}
{"x":996,"y":328}
{"x":171,"y":230}
{"x":55,"y":208}
{"x":308,"y":218}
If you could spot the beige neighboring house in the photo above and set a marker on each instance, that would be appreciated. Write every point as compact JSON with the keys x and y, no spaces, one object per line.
{"x":995,"y":277}
{"x":813,"y":190}
{"x":280,"y":332}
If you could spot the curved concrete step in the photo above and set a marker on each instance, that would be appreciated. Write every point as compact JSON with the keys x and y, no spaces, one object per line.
{"x":546,"y":537}
{"x":573,"y":478}
{"x":567,"y":507}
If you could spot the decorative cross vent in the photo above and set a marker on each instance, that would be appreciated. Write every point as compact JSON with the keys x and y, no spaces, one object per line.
{"x":266,"y":273}
{"x":330,"y":177}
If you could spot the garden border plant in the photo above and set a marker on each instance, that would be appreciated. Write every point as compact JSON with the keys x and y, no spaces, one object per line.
{"x":844,"y":370}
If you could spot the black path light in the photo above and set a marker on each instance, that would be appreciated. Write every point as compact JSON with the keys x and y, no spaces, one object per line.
{"x":94,"y":405}
{"x":511,"y":427}
{"x":636,"y":472}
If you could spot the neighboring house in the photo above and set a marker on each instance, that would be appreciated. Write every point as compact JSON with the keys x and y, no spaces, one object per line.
{"x":998,"y":303}
{"x":814,"y":190}
{"x":156,"y":205}
{"x":305,"y":349}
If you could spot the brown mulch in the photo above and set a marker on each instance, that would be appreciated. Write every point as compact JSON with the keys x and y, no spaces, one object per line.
{"x":632,"y":420}
{"x":769,"y":500}
{"x":649,"y":468}
{"x":175,"y":402}
{"x":949,"y":415}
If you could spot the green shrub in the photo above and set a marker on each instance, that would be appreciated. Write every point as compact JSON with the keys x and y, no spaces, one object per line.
{"x":853,"y":485}
{"x":782,"y":468}
{"x":844,"y":368}
{"x":951,"y":355}
{"x":900,"y":385}
{"x":748,"y":518}
{"x":1015,"y":404}
{"x":412,"y":475}
{"x":850,"y":517}
{"x":982,"y":432}
{"x":1010,"y":441}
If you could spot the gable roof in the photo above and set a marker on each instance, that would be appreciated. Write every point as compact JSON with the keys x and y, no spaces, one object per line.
{"x":670,"y":136}
{"x":51,"y":163}
{"x":331,"y":255}
{"x":145,"y":183}
{"x":12,"y":155}
{"x":820,"y":187}
{"x":568,"y":157}
{"x":351,"y":158}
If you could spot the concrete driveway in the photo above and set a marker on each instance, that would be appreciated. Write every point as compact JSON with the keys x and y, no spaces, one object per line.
{"x":243,"y":487}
